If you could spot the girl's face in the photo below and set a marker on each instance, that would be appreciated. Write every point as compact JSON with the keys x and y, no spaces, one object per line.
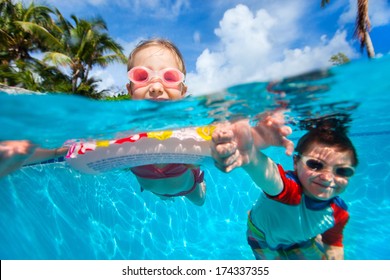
{"x":156,"y":58}
{"x":326,"y":182}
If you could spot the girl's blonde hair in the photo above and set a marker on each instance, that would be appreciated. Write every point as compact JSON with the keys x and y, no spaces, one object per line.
{"x":157,"y":42}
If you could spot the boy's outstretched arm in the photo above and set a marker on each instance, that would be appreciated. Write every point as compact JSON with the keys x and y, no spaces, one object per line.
{"x":234,"y":144}
{"x":238,"y":145}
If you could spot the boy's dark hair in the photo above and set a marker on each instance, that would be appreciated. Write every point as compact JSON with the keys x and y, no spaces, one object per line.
{"x":327,"y":135}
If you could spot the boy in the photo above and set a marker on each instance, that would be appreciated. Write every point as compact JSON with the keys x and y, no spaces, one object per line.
{"x":299,"y":214}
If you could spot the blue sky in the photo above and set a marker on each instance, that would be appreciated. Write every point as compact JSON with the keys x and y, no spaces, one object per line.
{"x":226,"y":42}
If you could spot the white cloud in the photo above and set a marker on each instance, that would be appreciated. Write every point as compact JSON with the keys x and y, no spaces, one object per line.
{"x":309,"y":58}
{"x":251,"y":49}
{"x":379,"y":12}
{"x":242,"y":32}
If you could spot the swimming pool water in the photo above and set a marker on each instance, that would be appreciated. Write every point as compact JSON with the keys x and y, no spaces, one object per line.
{"x":53,"y":212}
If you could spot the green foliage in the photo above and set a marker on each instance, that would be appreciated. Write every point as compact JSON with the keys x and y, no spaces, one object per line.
{"x":89,"y":89}
{"x":119,"y":97}
{"x":34,"y":75}
{"x":84,"y":44}
{"x":339,"y":59}
{"x":77,"y":46}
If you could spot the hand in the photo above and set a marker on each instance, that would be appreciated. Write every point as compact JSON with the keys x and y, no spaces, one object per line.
{"x":13,"y":154}
{"x":272,"y":131}
{"x":234,"y":145}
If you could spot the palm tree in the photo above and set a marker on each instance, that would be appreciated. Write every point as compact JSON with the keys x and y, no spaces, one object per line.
{"x":24,"y":30}
{"x":79,"y":46}
{"x":36,"y":76}
{"x":84,"y":44}
{"x":362,"y":26}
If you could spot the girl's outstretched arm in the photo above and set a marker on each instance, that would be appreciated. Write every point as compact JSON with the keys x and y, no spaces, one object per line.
{"x":16,"y":153}
{"x":13,"y":154}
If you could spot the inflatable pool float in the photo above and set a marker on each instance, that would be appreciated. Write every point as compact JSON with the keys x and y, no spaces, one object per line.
{"x":187,"y":145}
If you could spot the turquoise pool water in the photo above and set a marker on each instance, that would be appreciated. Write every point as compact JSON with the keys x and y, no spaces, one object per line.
{"x":50,"y":211}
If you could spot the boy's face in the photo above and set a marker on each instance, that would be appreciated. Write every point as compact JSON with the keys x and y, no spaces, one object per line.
{"x":156,"y":58}
{"x":323,"y":184}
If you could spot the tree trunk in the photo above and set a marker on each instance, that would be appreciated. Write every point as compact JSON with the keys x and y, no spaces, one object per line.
{"x":75,"y":77}
{"x":369,"y":45}
{"x":74,"y":84}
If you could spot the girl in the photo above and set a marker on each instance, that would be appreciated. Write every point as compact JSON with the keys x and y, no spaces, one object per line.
{"x":156,"y":71}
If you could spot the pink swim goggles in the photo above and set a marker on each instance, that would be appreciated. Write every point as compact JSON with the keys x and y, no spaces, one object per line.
{"x":169,"y":76}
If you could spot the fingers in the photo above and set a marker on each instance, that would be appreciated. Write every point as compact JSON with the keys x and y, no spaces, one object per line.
{"x":285,"y":130}
{"x":289,"y":145}
{"x":235,"y":145}
{"x":225,"y":155}
{"x":276,"y":120}
{"x":224,"y":148}
{"x":223,"y":133}
{"x":271,"y":130}
{"x":227,"y":164}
